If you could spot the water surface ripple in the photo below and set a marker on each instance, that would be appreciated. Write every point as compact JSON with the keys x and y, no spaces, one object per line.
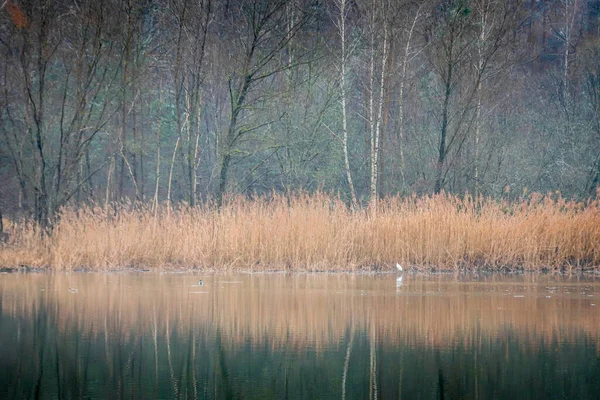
{"x":313,"y":336}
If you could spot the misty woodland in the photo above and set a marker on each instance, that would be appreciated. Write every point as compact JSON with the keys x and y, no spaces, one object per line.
{"x":311,"y":133}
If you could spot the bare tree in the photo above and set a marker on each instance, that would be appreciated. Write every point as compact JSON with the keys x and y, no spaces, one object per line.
{"x":403,"y":77}
{"x":192,"y":24}
{"x":159,"y":125}
{"x":55,"y":121}
{"x":566,"y":32}
{"x":341,"y":25}
{"x":379,"y":49}
{"x":264,"y":33}
{"x":458,"y":37}
{"x":591,"y":73}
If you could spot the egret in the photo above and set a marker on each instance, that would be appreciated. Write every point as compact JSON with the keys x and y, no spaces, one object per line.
{"x":399,"y":267}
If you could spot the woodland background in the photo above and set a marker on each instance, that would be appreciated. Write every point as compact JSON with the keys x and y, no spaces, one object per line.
{"x":184,"y":101}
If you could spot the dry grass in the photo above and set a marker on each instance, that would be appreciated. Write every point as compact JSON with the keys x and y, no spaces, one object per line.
{"x":318,"y":232}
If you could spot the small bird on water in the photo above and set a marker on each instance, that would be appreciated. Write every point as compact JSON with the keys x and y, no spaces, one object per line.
{"x":399,"y":267}
{"x":200,"y":283}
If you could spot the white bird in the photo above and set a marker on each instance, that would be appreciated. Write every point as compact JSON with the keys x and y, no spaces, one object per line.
{"x":399,"y":281}
{"x":399,"y":267}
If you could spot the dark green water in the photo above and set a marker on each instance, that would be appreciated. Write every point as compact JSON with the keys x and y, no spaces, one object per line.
{"x":298,"y":336}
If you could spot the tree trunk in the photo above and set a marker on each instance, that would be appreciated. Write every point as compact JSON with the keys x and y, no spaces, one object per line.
{"x":479,"y":88}
{"x":439,"y":181}
{"x":171,"y":172}
{"x":158,"y":132}
{"x":223,"y":174}
{"x":111,"y":168}
{"x":342,"y":27}
{"x":375,"y":121}
{"x":401,"y":99}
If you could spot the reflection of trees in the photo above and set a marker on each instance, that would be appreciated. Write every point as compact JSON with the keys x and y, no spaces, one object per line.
{"x":347,"y":361}
{"x":293,"y":311}
{"x":146,"y":336}
{"x":373,"y":363}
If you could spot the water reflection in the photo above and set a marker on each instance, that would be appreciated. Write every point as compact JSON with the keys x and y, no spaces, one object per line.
{"x":297,"y":336}
{"x":399,"y":281}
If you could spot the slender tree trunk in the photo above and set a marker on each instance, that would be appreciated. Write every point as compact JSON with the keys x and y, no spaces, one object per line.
{"x":569,"y":22}
{"x":232,"y":135}
{"x":444,"y":129}
{"x":226,"y":160}
{"x":401,"y":99}
{"x":477,"y":139}
{"x":88,"y":166}
{"x":141,"y":152}
{"x":479,"y":89}
{"x":35,"y":93}
{"x":121,"y":177}
{"x":133,"y":167}
{"x":197,"y":151}
{"x":179,"y":92}
{"x":347,"y":361}
{"x":373,"y":391}
{"x":342,"y":27}
{"x":372,"y":133}
{"x":384,"y":119}
{"x":158,"y":146}
{"x":78,"y":178}
{"x":131,"y":174}
{"x":171,"y":172}
{"x":376,"y":121}
{"x":125,"y":84}
{"x":111,"y":167}
{"x":189,"y":148}
{"x":594,"y":180}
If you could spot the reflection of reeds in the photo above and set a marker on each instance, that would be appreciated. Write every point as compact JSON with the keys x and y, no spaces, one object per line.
{"x":309,"y":310}
{"x":319,"y":233}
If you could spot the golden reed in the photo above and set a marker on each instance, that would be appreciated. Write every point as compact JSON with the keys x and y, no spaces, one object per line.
{"x":319,"y":232}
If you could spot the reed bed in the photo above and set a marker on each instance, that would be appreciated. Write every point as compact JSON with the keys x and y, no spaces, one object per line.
{"x":318,"y":232}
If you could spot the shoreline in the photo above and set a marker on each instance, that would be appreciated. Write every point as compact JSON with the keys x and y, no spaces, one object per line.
{"x":590,"y":272}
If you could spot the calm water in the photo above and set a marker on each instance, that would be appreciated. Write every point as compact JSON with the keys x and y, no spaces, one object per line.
{"x":277,"y":336}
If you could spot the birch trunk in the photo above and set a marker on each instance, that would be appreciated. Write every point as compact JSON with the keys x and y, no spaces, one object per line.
{"x":171,"y":172}
{"x":196,"y":150}
{"x":373,"y":153}
{"x":111,"y":167}
{"x":375,"y":122}
{"x":482,"y":39}
{"x":158,"y":132}
{"x":342,"y":27}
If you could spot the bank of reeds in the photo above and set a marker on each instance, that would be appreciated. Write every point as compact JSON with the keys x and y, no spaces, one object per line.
{"x":319,"y":232}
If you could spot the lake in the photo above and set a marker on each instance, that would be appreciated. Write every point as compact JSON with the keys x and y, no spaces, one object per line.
{"x":292,"y":336}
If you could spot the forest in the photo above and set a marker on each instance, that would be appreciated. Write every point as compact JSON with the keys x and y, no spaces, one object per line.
{"x":182,"y":103}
